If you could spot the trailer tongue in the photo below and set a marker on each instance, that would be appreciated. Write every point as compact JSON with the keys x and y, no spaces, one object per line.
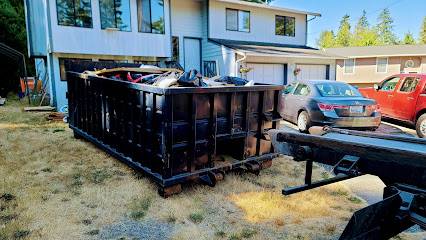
{"x":400,"y":162}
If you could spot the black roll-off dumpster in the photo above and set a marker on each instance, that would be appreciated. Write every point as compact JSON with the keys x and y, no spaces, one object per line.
{"x":176,"y":134}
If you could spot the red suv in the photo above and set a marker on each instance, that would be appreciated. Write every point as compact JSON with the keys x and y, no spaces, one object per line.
{"x":402,"y":97}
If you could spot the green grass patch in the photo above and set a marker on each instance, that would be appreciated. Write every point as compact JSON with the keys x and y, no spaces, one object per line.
{"x":196,"y":217}
{"x":248,"y":233}
{"x":355,"y":200}
{"x":140,"y":207}
{"x":99,"y":176}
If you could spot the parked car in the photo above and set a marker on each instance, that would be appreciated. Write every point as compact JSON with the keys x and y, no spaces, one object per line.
{"x":324,"y":102}
{"x":402,"y":97}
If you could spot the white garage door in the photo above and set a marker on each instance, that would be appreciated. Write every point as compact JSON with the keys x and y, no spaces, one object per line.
{"x":311,"y":72}
{"x":266,"y":73}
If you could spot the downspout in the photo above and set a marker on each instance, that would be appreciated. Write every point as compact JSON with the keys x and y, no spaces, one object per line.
{"x":238,"y":61}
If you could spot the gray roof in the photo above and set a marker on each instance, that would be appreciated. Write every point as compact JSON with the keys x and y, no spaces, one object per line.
{"x":379,"y":51}
{"x":273,"y":49}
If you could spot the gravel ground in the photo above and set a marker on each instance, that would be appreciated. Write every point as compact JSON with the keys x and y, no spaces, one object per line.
{"x":129,"y":229}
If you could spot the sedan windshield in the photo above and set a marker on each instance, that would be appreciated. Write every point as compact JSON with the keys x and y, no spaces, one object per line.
{"x":337,"y":90}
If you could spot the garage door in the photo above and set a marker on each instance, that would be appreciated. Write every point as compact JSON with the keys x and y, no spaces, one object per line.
{"x":312,"y":72}
{"x":266,"y":73}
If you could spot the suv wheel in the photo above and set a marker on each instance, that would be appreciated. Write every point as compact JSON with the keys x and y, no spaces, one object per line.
{"x":303,"y":122}
{"x":421,"y":126}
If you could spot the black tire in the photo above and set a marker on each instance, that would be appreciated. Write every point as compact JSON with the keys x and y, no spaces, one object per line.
{"x":421,"y":126}
{"x":303,"y":117}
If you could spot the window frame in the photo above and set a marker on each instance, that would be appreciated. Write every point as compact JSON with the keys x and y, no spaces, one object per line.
{"x":238,"y":20}
{"x":116,"y":28}
{"x":303,"y":85}
{"x":377,"y":64}
{"x":284,"y":18}
{"x":285,"y":92}
{"x":417,"y":79}
{"x":177,"y":59}
{"x":216,"y":68}
{"x":139,"y":8}
{"x":75,"y":15}
{"x":388,"y":80}
{"x":344,"y":66}
{"x":63,"y":66}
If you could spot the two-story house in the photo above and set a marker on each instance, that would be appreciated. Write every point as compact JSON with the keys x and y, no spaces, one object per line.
{"x":217,"y":37}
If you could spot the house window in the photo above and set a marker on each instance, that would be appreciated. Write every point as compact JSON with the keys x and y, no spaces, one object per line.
{"x":115,"y":14}
{"x":210,"y":69}
{"x":349,"y":65}
{"x":237,"y":20}
{"x":175,"y":49}
{"x":382,"y":65}
{"x":151,"y":16}
{"x":77,"y":13}
{"x":65,"y":64}
{"x":285,"y":26}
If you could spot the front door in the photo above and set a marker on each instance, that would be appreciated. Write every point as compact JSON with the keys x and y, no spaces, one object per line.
{"x":192,"y":54}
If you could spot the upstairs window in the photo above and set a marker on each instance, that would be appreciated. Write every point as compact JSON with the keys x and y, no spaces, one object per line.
{"x":382,"y":65}
{"x":77,"y":13}
{"x":285,"y":26}
{"x":349,"y":66}
{"x":237,"y":20}
{"x":151,"y":16}
{"x":115,"y":14}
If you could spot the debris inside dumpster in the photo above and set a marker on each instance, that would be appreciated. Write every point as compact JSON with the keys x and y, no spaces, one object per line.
{"x":168,"y":77}
{"x":2,"y":101}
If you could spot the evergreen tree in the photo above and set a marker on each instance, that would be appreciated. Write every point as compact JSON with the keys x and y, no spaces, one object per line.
{"x":363,"y":35}
{"x":409,"y":39}
{"x":385,"y":28}
{"x":422,"y":35}
{"x":326,"y":40}
{"x":343,"y":37}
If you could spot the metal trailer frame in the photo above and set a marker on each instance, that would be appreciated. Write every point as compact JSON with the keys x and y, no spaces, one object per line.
{"x":400,"y":162}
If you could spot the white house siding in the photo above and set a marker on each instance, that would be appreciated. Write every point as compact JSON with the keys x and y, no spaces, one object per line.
{"x":423,"y":68}
{"x":223,"y":56}
{"x":187,"y":21}
{"x":292,"y":64}
{"x":77,"y":40}
{"x":262,"y":25}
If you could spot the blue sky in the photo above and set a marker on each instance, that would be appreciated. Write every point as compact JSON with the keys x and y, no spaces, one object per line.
{"x":407,"y":14}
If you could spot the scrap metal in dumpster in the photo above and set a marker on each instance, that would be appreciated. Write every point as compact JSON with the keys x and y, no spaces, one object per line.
{"x":173,"y":126}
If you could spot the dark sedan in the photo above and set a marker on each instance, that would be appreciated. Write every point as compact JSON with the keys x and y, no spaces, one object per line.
{"x":322,"y":102}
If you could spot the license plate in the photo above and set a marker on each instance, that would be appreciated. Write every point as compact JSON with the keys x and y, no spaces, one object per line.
{"x":356,"y":109}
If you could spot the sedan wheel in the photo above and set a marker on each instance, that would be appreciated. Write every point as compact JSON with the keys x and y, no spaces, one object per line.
{"x":421,"y":126}
{"x":303,"y":121}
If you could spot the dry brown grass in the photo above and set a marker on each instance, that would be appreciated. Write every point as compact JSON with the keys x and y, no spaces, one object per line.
{"x":65,"y":188}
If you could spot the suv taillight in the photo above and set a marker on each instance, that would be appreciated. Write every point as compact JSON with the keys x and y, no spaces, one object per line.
{"x":330,"y":107}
